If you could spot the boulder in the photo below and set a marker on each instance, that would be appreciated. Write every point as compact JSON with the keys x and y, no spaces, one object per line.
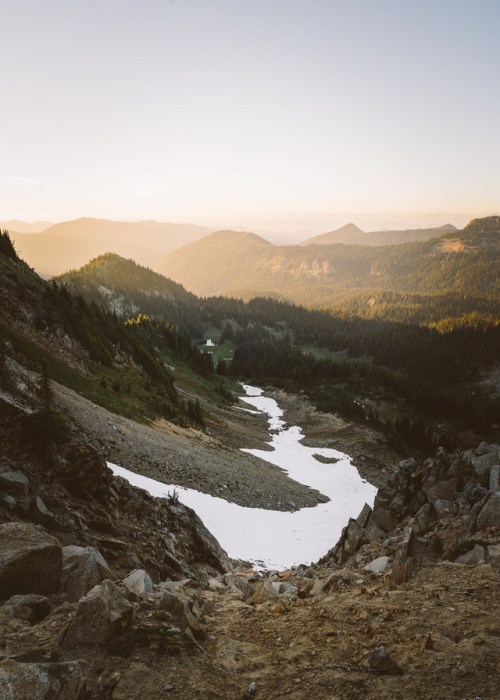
{"x":100,"y":616}
{"x":444,"y":490}
{"x":30,"y":560}
{"x":179,"y":607}
{"x":383,"y":664}
{"x":66,"y":680}
{"x":13,"y":480}
{"x":495,"y":478}
{"x":382,"y":517}
{"x":444,"y":508}
{"x":83,"y":568}
{"x":38,"y":604}
{"x":353,"y":536}
{"x":489,"y":516}
{"x":423,"y":518}
{"x":482,"y":463}
{"x":363,"y":517}
{"x":264,"y":592}
{"x":139,"y":582}
{"x":473,"y":556}
{"x":377,"y":565}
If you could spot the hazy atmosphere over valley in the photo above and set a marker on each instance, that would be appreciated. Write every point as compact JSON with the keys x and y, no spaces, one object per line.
{"x":249,"y":350}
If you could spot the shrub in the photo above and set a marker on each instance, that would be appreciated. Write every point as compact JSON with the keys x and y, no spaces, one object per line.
{"x":46,"y":426}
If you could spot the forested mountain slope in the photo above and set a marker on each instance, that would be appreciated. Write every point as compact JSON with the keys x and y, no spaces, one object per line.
{"x":462,"y":263}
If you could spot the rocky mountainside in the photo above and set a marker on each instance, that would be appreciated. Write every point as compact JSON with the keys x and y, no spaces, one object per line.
{"x":352,"y":235}
{"x":458,"y":262}
{"x":108,"y":593}
{"x":70,"y":244}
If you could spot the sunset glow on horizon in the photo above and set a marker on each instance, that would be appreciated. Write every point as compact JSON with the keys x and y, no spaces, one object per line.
{"x":272,"y":116}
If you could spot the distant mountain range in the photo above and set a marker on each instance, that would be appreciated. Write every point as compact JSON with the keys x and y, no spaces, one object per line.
{"x":71,"y":244}
{"x":352,"y":235}
{"x":25,"y":226}
{"x":457,"y":262}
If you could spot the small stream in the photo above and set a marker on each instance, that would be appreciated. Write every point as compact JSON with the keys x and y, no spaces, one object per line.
{"x":275,"y":539}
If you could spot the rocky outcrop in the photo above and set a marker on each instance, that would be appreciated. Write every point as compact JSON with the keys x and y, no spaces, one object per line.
{"x":30,"y":560}
{"x":457,"y":492}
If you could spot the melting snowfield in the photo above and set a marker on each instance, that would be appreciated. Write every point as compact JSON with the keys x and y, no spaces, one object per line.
{"x":275,"y":539}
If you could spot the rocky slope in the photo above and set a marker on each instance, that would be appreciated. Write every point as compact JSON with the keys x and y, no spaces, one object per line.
{"x":109,"y":593}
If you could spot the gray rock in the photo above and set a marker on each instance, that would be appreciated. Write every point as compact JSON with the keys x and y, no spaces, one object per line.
{"x":13,"y":481}
{"x":139,"y":582}
{"x":100,"y":616}
{"x":484,"y":462}
{"x":407,"y":466}
{"x":474,"y":513}
{"x":473,"y":556}
{"x":495,"y":478}
{"x":30,"y":560}
{"x":383,"y":664}
{"x":444,"y":490}
{"x":377,"y":565}
{"x":66,"y":680}
{"x":41,"y":514}
{"x":180,"y":609}
{"x":444,"y":508}
{"x":423,"y":518}
{"x":373,"y":533}
{"x":38,"y":604}
{"x":353,"y":536}
{"x":83,"y":568}
{"x":363,"y":517}
{"x":383,"y":518}
{"x":489,"y":516}
{"x":494,"y":551}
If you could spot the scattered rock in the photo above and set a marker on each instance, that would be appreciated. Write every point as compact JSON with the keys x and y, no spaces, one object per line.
{"x":383,"y":664}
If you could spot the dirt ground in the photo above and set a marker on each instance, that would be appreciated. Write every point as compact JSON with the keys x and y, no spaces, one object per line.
{"x":442,"y":628}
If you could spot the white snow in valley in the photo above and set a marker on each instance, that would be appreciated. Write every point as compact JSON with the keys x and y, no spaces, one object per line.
{"x":275,"y":539}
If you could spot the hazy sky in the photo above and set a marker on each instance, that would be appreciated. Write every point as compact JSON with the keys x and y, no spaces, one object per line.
{"x":260,"y":113}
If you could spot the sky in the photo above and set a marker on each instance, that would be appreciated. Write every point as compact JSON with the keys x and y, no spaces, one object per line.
{"x":272,"y":115}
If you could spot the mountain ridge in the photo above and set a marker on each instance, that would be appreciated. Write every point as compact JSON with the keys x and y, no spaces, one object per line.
{"x":463,"y":262}
{"x":352,"y":235}
{"x":71,"y":244}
